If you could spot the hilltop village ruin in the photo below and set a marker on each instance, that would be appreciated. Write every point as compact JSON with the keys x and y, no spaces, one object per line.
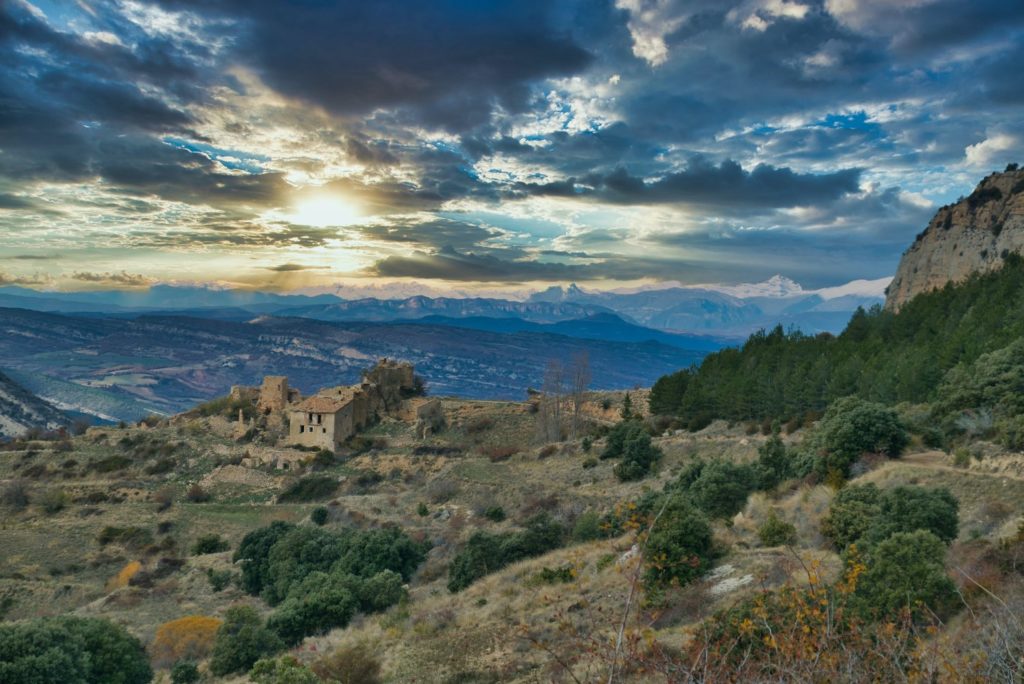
{"x":332,"y":416}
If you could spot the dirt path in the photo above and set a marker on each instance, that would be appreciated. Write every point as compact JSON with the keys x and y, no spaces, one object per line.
{"x":933,"y":460}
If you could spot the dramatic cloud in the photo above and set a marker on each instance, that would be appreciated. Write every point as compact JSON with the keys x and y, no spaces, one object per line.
{"x":406,"y":143}
{"x":702,"y":183}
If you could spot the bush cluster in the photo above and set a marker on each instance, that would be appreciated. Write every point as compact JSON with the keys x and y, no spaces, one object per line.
{"x":311,"y":488}
{"x":630,"y":442}
{"x":319,"y":578}
{"x":71,"y":649}
{"x":485,"y":553}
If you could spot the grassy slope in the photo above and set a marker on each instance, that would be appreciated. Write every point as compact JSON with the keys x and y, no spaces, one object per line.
{"x":54,"y":564}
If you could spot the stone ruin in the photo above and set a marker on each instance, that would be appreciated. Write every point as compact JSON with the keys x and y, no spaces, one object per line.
{"x":334,"y":414}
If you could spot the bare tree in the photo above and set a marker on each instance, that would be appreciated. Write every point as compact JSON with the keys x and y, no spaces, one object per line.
{"x":550,"y":416}
{"x":579,"y":381}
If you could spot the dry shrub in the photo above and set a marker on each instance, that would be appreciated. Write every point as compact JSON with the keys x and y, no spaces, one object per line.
{"x":479,"y":424}
{"x":122,"y":578}
{"x":196,"y":494}
{"x":354,"y":664}
{"x":187,"y":638}
{"x":548,"y":451}
{"x":499,"y":453}
{"x":537,"y":504}
{"x":995,"y":511}
{"x":15,"y":495}
{"x":164,"y":499}
{"x":440,"y":491}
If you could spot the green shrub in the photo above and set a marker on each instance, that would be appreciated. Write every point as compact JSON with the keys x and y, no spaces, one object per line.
{"x":276,"y":558}
{"x":962,"y":457}
{"x":485,"y":553}
{"x":209,"y":543}
{"x":776,"y":532}
{"x":64,"y":649}
{"x":631,"y":442}
{"x":311,"y":488}
{"x":1011,"y":433}
{"x":679,"y":547}
{"x":718,"y":488}
{"x":588,"y":527}
{"x":906,"y":570}
{"x":864,"y":514}
{"x":184,"y":672}
{"x":852,"y":427}
{"x":586,"y":444}
{"x":319,"y":515}
{"x":219,"y":579}
{"x":494,"y":513}
{"x":283,"y":670}
{"x":619,"y":435}
{"x":422,"y":510}
{"x":774,"y":463}
{"x":111,"y":464}
{"x":563,"y":574}
{"x":241,"y":640}
{"x":53,"y":501}
{"x":323,"y":601}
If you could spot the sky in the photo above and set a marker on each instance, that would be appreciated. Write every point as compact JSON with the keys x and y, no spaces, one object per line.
{"x":470,"y":146}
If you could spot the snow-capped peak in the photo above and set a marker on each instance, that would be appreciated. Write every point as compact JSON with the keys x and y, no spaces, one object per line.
{"x":776,"y":286}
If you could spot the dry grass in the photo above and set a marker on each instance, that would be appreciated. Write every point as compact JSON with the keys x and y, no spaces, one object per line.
{"x":53,"y":564}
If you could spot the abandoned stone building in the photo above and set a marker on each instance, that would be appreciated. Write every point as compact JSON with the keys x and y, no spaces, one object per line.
{"x":334,"y":414}
{"x":326,"y":421}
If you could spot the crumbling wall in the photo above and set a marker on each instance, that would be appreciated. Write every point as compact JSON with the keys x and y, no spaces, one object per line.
{"x":273,"y":393}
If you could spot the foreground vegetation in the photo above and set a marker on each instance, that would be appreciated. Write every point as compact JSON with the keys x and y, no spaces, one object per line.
{"x":592,"y":540}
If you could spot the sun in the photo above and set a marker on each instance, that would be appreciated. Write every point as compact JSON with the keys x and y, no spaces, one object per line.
{"x":321,"y":211}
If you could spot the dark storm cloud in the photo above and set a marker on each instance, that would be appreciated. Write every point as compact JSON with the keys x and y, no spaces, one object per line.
{"x":68,"y":108}
{"x":436,"y":233}
{"x":703,"y":183}
{"x":454,"y":60}
{"x":450,"y":264}
{"x":413,"y":108}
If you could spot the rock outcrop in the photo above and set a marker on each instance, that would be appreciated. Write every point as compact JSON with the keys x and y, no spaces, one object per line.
{"x":974,"y":235}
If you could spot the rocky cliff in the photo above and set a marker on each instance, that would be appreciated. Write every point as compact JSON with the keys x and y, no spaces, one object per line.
{"x":973,"y":235}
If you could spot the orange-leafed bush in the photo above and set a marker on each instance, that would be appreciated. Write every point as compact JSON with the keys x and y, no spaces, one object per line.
{"x":125,"y":575}
{"x":187,"y":638}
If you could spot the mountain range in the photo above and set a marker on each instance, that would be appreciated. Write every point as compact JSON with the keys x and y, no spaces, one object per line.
{"x":121,"y":367}
{"x":729,"y":311}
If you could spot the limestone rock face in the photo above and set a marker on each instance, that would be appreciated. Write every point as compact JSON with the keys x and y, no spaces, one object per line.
{"x":971,"y":236}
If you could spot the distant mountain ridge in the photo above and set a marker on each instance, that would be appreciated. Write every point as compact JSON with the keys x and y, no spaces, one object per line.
{"x":723,"y":310}
{"x":974,"y":235}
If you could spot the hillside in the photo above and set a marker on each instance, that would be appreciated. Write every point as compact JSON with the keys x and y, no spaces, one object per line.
{"x":21,"y":410}
{"x":974,"y":235}
{"x":917,"y":355}
{"x":113,"y":519}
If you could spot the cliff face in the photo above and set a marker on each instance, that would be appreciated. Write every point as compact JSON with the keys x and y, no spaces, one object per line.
{"x":970,"y":236}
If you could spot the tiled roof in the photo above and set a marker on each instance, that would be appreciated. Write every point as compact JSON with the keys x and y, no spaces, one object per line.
{"x":323,"y":404}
